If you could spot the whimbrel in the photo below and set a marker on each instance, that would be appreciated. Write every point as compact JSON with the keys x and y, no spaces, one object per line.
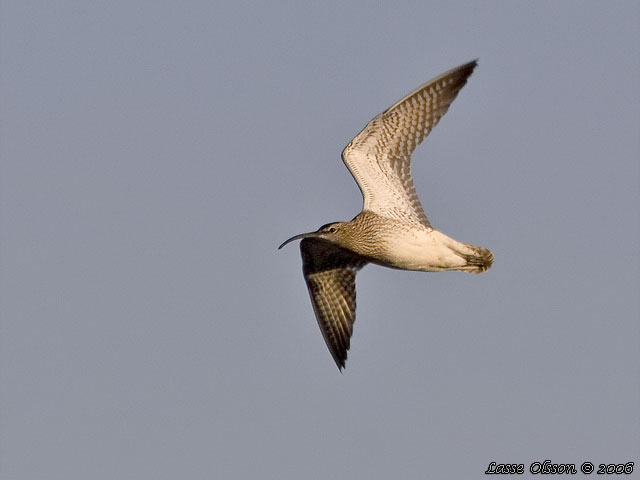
{"x":392,"y":230}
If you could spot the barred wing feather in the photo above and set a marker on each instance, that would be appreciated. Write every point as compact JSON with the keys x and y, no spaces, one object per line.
{"x":379,"y":157}
{"x":330,"y":274}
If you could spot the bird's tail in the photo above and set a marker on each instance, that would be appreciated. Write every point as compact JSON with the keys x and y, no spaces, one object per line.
{"x":478,"y":259}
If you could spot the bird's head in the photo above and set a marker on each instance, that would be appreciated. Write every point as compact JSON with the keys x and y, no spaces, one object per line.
{"x":332,"y":232}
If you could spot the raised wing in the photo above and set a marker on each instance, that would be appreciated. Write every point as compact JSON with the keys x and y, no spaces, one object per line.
{"x":330,"y":273}
{"x":379,"y":157}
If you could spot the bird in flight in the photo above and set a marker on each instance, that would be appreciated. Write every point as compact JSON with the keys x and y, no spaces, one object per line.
{"x":392,"y":230}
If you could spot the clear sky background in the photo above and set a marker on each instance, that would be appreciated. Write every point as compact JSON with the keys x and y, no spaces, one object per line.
{"x":155,"y":154}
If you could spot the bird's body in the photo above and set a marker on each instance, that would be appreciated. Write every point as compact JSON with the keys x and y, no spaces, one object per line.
{"x":406,"y":246}
{"x":392,"y":230}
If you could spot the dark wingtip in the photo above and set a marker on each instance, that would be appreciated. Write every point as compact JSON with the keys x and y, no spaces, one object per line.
{"x":341,"y":361}
{"x":469,"y":65}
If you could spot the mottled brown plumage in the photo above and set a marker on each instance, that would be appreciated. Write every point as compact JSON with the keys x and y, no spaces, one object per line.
{"x":392,"y":230}
{"x":380,"y":155}
{"x":330,"y":273}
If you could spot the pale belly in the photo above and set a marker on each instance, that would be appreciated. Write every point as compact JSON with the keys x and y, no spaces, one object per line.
{"x":423,"y":249}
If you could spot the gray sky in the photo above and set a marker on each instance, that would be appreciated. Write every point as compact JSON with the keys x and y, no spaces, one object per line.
{"x":155,"y":154}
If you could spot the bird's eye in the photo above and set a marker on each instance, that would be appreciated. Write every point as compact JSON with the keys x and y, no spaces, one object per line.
{"x":332,"y":229}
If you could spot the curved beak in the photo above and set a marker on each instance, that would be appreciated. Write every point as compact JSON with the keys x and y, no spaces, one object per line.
{"x":298,"y":237}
